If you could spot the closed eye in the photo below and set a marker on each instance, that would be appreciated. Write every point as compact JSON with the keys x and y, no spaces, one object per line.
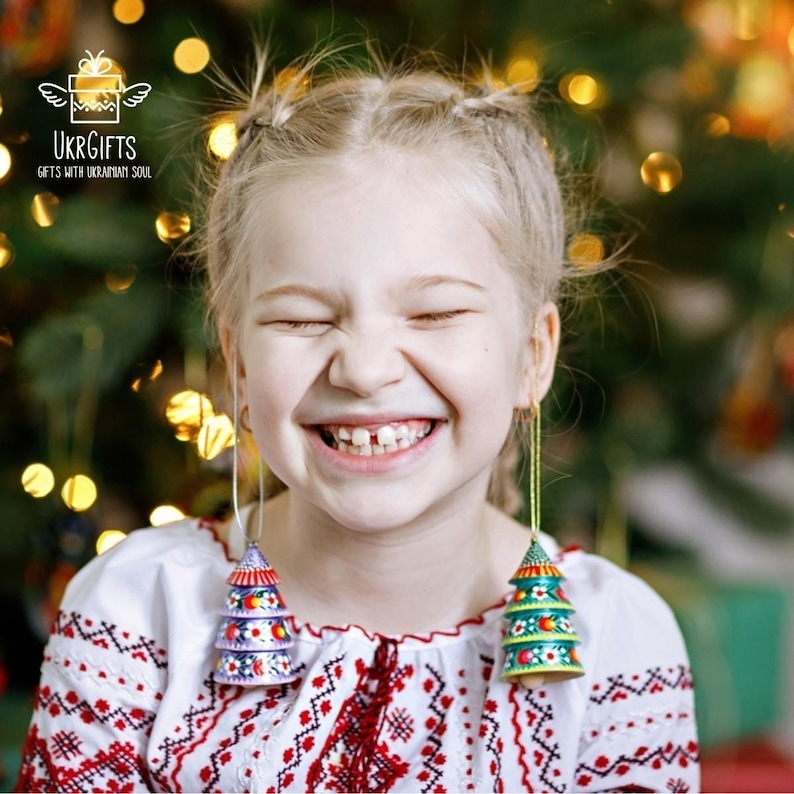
{"x":436,"y":317}
{"x":301,"y":323}
{"x":305,"y":327}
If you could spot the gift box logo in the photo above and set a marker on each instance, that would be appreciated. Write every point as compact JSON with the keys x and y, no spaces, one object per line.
{"x":96,"y":92}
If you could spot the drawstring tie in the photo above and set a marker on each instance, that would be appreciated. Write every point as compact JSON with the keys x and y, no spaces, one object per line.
{"x":380,"y":680}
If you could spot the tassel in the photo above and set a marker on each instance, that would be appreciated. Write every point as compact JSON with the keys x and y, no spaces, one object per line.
{"x":540,"y":644}
{"x":254,"y":637}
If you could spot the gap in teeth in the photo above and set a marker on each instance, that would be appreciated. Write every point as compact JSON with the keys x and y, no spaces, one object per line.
{"x":387,"y":438}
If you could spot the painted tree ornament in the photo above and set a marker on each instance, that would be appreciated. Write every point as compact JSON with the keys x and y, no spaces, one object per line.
{"x":254,"y":638}
{"x":541,"y":643}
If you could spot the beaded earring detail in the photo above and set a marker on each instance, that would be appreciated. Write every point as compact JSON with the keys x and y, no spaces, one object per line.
{"x":254,"y":638}
{"x":540,"y":643}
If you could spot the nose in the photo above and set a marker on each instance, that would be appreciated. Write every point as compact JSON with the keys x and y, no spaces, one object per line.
{"x":365,"y":362}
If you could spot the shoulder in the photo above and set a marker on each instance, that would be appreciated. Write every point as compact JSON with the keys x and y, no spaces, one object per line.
{"x":622,"y":621}
{"x":135,"y":576}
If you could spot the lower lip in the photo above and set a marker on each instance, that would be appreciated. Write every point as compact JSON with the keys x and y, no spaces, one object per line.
{"x":374,"y":464}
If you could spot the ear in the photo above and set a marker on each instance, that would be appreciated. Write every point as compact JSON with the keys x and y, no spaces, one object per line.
{"x":542,"y":344}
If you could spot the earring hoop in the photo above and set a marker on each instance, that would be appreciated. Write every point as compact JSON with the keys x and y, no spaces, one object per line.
{"x":245,"y":419}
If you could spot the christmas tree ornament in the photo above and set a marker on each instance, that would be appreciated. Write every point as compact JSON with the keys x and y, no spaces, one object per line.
{"x":253,"y":638}
{"x":540,"y":644}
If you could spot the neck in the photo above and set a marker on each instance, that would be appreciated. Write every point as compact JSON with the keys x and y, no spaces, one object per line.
{"x":432,"y":574}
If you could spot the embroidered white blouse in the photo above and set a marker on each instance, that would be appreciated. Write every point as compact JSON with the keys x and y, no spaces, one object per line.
{"x":127,"y":701}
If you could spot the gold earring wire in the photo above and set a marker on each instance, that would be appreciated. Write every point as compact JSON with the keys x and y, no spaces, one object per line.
{"x":236,"y":470}
{"x":535,"y":656}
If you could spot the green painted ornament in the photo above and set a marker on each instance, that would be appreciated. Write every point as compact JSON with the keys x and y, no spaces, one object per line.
{"x":541,"y":643}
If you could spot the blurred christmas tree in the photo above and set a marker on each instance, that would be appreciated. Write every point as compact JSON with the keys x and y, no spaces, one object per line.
{"x":682,"y":113}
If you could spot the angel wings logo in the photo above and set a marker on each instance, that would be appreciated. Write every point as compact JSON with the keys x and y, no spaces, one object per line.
{"x":96,"y":92}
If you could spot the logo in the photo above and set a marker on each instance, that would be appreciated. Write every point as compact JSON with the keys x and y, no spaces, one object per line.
{"x":95,"y":94}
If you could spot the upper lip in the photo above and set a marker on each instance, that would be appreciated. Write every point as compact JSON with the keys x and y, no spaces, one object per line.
{"x":361,"y":420}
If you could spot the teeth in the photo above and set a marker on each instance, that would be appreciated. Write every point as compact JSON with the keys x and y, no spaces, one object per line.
{"x":386,"y":435}
{"x":359,"y":437}
{"x":387,"y":438}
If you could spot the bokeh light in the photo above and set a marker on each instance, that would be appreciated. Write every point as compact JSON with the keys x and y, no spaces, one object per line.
{"x":44,"y":208}
{"x":582,"y":90}
{"x":749,"y":19}
{"x":716,"y":125}
{"x":172,"y":225}
{"x":79,"y":492}
{"x":293,"y":80}
{"x":6,"y":250}
{"x":5,"y":162}
{"x":98,"y":81}
{"x":762,"y":86}
{"x":214,"y":436}
{"x":523,"y":72}
{"x":661,"y":171}
{"x":165,"y":514}
{"x":121,"y":279}
{"x":223,"y":139}
{"x":586,"y":250}
{"x":38,"y":480}
{"x":191,"y":55}
{"x":128,"y":12}
{"x":108,"y":539}
{"x":187,"y":411}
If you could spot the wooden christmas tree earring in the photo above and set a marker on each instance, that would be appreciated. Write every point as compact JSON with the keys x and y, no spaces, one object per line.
{"x":541,"y":643}
{"x":254,"y":638}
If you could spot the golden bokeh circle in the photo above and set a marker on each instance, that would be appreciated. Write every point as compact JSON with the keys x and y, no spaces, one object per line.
{"x":38,"y":480}
{"x":165,"y":514}
{"x":188,"y":409}
{"x":44,"y":208}
{"x":121,"y":279}
{"x":5,"y":162}
{"x":172,"y":225}
{"x":99,"y":80}
{"x":79,"y":492}
{"x":586,"y":250}
{"x":523,"y":72}
{"x":128,"y":12}
{"x":222,"y":139}
{"x":215,"y":435}
{"x":191,"y":55}
{"x":661,"y":171}
{"x":109,"y":538}
{"x":6,"y":251}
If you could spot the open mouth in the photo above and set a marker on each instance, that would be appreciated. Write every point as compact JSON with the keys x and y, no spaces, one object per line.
{"x":368,"y":440}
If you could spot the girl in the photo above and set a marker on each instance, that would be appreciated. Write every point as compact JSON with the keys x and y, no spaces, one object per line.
{"x":384,"y":252}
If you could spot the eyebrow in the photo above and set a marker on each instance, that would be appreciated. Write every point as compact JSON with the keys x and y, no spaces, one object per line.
{"x":424,"y":282}
{"x":413,"y":284}
{"x":293,"y":290}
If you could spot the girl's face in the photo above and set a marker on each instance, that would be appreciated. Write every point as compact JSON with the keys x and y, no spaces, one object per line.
{"x":381,"y":348}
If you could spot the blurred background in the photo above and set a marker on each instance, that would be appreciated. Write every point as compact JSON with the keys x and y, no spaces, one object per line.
{"x":669,"y":446}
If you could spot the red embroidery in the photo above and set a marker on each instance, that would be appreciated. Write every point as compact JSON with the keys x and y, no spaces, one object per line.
{"x":108,"y":637}
{"x":117,"y":768}
{"x":620,"y":687}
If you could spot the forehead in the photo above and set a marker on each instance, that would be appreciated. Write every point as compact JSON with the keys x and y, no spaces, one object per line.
{"x":388,"y":212}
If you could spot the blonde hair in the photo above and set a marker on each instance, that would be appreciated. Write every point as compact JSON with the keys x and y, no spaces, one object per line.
{"x":481,"y":142}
